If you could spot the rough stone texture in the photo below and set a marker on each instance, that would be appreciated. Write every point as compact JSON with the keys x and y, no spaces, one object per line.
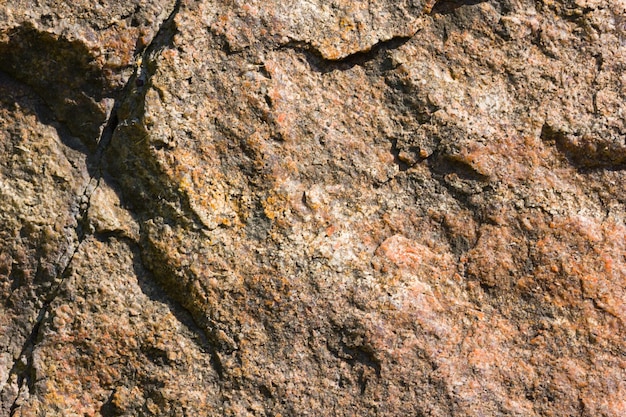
{"x":313,"y":208}
{"x":76,"y":54}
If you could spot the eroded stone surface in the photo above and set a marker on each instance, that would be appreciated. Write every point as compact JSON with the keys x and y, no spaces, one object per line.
{"x":339,"y":209}
{"x":334,"y":29}
{"x":77,"y":54}
{"x":112,"y":345}
{"x":40,"y":202}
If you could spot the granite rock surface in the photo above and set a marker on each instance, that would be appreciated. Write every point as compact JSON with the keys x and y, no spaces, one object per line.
{"x":380,"y":208}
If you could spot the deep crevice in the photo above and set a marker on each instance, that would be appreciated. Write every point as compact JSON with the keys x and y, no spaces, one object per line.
{"x":146,"y":188}
{"x":449,"y":6}
{"x":321,"y":64}
{"x":53,"y":97}
{"x":153,"y":286}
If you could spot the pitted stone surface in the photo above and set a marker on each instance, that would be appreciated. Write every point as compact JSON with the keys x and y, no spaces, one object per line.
{"x":340,"y":208}
{"x":334,"y":29}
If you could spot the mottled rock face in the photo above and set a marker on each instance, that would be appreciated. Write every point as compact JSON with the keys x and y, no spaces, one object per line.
{"x":313,"y":208}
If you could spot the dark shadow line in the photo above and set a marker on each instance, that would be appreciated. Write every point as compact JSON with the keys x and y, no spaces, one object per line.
{"x":324,"y":65}
{"x":444,"y":7}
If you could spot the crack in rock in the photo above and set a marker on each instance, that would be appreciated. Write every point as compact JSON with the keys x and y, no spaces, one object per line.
{"x":321,"y":63}
{"x":448,"y":6}
{"x":80,"y":99}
